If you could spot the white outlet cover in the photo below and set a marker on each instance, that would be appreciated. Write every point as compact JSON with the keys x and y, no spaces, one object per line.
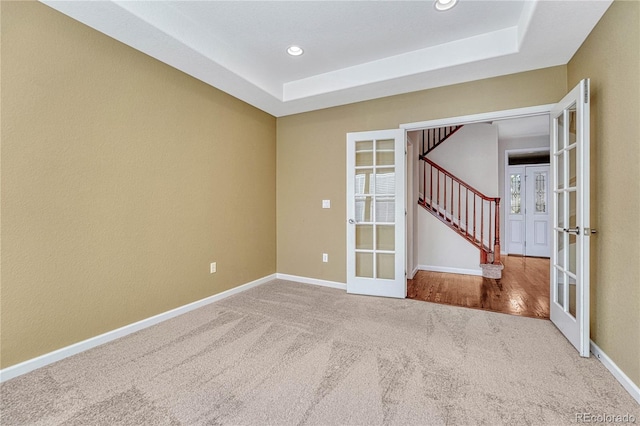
{"x":213,"y":268}
{"x":325,"y":257}
{"x":326,"y":204}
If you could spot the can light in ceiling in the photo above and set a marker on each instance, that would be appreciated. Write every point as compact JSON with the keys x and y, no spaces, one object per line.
{"x":295,"y":50}
{"x":443,"y":5}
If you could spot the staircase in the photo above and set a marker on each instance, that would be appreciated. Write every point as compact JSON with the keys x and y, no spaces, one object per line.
{"x":468,"y":212}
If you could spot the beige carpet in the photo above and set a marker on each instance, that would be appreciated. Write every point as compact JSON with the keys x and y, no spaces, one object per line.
{"x":286,"y":354}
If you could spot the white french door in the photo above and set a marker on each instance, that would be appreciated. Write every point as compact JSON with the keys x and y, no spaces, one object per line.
{"x":570,"y":212}
{"x":376,"y":213}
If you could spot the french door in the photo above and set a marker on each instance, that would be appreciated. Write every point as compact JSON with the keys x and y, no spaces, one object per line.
{"x":570,"y":211}
{"x":376,"y":213}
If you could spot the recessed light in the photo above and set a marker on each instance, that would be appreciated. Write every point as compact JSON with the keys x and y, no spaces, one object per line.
{"x":443,"y":5}
{"x":295,"y":50}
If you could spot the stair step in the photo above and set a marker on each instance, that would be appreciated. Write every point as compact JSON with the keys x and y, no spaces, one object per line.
{"x":492,"y":270}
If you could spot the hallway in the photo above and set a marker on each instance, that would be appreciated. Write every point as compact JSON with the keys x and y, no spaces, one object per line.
{"x":523,"y":289}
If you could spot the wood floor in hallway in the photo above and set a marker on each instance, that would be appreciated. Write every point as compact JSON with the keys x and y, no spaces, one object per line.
{"x":522,"y":290}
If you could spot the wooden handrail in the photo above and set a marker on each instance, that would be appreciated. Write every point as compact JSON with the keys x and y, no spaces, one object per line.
{"x":460,"y":181}
{"x":444,"y":208}
{"x":432,"y":138}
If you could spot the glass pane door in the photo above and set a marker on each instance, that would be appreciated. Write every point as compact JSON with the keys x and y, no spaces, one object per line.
{"x":375,"y":212}
{"x":571,"y":232}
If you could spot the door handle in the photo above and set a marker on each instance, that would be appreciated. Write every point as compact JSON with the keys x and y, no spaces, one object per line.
{"x":575,"y":230}
{"x":352,"y":222}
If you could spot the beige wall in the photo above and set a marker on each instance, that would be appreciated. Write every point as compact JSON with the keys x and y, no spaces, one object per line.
{"x":311,"y":158}
{"x":122,"y":178}
{"x":610,"y":57}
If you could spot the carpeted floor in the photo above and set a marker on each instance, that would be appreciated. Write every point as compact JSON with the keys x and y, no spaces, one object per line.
{"x":287,"y":354}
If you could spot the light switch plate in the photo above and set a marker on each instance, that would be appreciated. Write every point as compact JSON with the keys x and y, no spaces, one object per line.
{"x":326,"y":204}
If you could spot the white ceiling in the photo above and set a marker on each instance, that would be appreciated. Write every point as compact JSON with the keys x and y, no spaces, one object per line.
{"x":523,"y":127}
{"x":354,"y":50}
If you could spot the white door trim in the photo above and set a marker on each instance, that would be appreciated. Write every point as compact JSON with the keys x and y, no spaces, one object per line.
{"x":481,"y":117}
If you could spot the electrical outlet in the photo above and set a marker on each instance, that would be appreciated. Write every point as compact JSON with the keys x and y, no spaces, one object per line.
{"x":325,"y":257}
{"x":213,"y":268}
{"x":326,"y":204}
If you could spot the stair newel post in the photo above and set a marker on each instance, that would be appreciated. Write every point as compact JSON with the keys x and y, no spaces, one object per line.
{"x":490,"y":224}
{"x":496,"y":244}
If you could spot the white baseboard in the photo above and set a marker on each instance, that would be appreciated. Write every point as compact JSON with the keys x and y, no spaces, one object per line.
{"x":624,"y":380}
{"x":314,"y":281}
{"x":57,"y":355}
{"x":477,"y":272}
{"x":414,"y":272}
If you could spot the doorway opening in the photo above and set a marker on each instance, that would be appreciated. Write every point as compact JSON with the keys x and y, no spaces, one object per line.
{"x":521,"y":138}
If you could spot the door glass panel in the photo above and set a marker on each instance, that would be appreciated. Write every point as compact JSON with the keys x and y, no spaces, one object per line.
{"x":572,"y":253}
{"x":560,"y":163}
{"x":572,"y":296}
{"x":541,"y":192}
{"x":385,"y":181}
{"x":385,"y":209}
{"x":364,"y":153}
{"x":561,"y":246}
{"x":572,"y":170}
{"x":560,"y":132}
{"x":385,"y":237}
{"x":363,"y":209}
{"x":385,"y":152}
{"x":572,"y":124}
{"x":364,"y":237}
{"x":561,"y":221}
{"x":362,"y":181}
{"x":573,"y":204}
{"x":385,"y":266}
{"x":516,"y":186}
{"x":560,"y":288}
{"x":364,"y":265}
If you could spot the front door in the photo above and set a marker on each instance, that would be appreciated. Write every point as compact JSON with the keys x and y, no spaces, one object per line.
{"x":571,"y":226}
{"x":537,"y":209}
{"x":376,"y":213}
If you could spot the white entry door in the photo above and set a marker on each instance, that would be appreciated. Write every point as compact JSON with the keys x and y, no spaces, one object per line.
{"x":571,"y":226}
{"x":376,"y":213}
{"x":528,"y":215}
{"x":538,"y":232}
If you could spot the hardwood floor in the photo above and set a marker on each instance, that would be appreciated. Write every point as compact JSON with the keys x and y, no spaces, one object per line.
{"x":522,"y":290}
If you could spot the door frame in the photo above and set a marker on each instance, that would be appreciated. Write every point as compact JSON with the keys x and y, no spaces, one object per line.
{"x":507,"y":232}
{"x":531,"y":111}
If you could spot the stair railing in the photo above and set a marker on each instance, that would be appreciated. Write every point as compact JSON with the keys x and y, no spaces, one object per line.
{"x":468,"y":211}
{"x":431,"y":138}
